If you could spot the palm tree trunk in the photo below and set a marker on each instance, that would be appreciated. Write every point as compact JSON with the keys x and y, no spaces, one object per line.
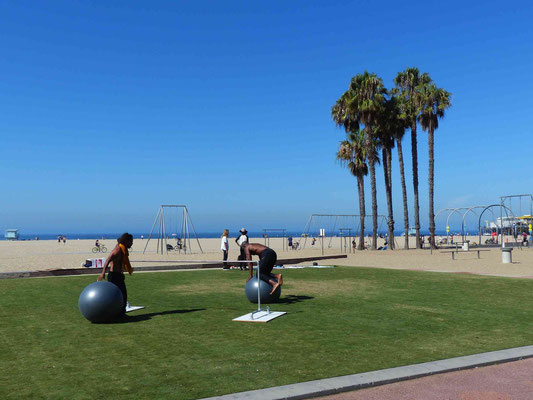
{"x":404,"y":194}
{"x":372,"y":167}
{"x":389,"y":199}
{"x":386,"y":170}
{"x":415,"y":182}
{"x":361,"y":188}
{"x":431,"y":139}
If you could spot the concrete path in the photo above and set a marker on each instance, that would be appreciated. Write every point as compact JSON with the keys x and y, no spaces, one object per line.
{"x":520,"y":377}
{"x":509,"y":381}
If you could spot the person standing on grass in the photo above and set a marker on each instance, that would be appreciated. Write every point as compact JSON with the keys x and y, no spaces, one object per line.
{"x":224,"y":246}
{"x":267,"y":260}
{"x":119,"y":258}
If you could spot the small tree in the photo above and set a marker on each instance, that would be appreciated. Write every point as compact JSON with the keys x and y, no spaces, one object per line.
{"x":352,"y":154}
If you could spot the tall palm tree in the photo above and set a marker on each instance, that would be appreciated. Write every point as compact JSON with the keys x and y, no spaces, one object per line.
{"x":387,"y":126}
{"x":352,"y":154}
{"x":367,"y":102}
{"x":361,"y":104}
{"x":433,"y":103}
{"x":398,"y":127}
{"x":408,"y":83}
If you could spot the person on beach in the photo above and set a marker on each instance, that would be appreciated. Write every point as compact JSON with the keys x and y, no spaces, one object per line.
{"x":243,"y":237}
{"x":267,"y":260}
{"x":119,"y":258}
{"x":97,"y":243}
{"x":224,"y":246}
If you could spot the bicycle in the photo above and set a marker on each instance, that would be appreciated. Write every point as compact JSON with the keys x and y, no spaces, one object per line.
{"x":100,"y":249}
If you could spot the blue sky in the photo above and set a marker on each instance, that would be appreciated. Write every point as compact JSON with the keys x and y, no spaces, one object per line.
{"x":108,"y":109}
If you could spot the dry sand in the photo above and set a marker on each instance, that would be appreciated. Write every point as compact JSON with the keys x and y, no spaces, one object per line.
{"x":21,"y":256}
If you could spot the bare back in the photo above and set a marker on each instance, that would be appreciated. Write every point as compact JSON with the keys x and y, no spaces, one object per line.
{"x":254,"y":249}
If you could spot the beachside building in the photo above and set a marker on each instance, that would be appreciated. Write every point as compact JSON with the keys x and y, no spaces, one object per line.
{"x":11,"y":234}
{"x":510,"y":225}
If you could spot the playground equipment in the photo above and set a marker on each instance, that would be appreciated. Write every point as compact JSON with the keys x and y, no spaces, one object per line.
{"x":463,"y":213}
{"x":179,"y":228}
{"x":344,"y":226}
{"x":277,"y":232}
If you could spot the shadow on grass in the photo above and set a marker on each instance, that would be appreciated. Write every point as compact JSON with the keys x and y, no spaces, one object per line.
{"x":143,"y":317}
{"x":291,"y":299}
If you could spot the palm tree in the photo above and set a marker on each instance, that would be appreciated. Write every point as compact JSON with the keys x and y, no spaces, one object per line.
{"x":398,"y":127}
{"x":368,"y":98}
{"x":386,"y":126}
{"x":433,"y":103}
{"x":352,"y":154}
{"x":361,"y":104}
{"x":408,"y":83}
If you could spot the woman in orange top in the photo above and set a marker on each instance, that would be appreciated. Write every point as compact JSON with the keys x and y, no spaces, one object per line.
{"x":119,"y":258}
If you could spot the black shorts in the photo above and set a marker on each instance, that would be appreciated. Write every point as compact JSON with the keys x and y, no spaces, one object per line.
{"x":118,"y":279}
{"x":267,"y":261}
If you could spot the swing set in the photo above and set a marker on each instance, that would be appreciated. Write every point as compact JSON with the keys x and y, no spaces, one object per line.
{"x":179,"y":227}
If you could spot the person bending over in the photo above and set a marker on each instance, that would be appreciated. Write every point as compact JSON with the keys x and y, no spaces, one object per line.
{"x":267,"y":260}
{"x":119,"y":258}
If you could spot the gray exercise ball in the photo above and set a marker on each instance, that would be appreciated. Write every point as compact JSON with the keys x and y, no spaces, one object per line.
{"x":251,"y":291}
{"x":101,"y":302}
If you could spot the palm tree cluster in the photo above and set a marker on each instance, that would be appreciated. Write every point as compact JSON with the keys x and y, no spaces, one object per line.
{"x":375,"y":120}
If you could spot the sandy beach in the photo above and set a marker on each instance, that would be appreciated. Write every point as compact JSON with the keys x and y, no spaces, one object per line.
{"x":22,"y":256}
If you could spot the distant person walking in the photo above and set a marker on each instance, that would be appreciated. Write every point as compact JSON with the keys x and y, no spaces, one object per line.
{"x":290,"y":242}
{"x":224,"y":246}
{"x":243,"y":237}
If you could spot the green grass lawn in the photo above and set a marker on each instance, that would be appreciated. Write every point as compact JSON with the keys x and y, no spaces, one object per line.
{"x":184,"y":345}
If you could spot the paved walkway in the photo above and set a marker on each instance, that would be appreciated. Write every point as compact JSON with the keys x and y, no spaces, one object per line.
{"x":509,"y":381}
{"x":512,"y":380}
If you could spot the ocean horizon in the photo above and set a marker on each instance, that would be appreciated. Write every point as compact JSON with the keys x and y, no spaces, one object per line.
{"x":201,"y":235}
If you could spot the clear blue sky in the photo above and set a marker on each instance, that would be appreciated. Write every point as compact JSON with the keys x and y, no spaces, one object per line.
{"x":108,"y":109}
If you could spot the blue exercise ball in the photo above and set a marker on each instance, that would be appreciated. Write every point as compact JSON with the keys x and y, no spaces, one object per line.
{"x":251,"y":291}
{"x":101,"y":302}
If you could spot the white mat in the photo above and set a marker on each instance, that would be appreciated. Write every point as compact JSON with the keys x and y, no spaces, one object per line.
{"x":303,"y":266}
{"x":260,"y":316}
{"x":134,"y":308}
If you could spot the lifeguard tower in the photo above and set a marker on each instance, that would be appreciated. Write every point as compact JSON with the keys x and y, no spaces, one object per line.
{"x":11,"y":234}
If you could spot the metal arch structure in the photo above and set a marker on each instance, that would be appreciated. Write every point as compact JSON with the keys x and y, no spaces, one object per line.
{"x":502,"y":207}
{"x":459,"y":210}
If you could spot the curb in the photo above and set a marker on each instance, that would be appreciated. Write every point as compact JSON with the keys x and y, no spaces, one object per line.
{"x":167,"y":267}
{"x":324,"y":387}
